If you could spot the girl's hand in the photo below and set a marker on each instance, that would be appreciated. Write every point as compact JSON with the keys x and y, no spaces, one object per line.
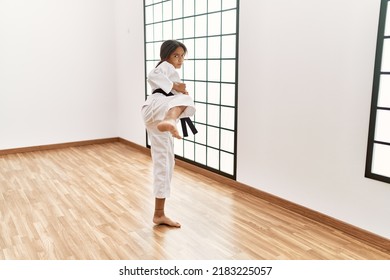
{"x":180,"y":87}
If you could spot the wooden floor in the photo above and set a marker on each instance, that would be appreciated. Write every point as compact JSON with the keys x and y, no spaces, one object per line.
{"x":94,"y":202}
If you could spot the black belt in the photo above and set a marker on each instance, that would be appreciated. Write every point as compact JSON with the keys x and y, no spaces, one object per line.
{"x":183,"y":121}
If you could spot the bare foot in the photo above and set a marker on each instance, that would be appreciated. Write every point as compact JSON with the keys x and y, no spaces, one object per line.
{"x":169,"y":125}
{"x":164,"y":220}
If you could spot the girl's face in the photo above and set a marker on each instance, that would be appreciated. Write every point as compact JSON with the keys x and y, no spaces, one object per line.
{"x":177,"y":58}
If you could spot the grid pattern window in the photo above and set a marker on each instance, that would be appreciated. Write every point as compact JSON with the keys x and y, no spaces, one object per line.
{"x":209,"y":29}
{"x":378,"y":154}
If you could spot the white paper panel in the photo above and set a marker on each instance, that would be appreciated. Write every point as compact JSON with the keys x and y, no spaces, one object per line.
{"x":381,"y":160}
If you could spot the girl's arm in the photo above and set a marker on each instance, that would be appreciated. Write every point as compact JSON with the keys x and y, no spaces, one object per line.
{"x":161,"y":77}
{"x":157,"y":78}
{"x":180,"y":87}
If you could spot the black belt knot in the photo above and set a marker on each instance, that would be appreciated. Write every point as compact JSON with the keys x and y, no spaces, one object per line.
{"x":183,"y":121}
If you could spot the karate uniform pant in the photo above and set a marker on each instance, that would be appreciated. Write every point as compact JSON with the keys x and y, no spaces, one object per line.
{"x":162,"y":147}
{"x":162,"y":150}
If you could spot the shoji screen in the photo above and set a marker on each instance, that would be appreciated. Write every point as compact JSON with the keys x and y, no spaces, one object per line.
{"x":209,"y":29}
{"x":378,"y":155}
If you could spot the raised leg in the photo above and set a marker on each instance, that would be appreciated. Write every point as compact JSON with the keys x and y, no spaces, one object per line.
{"x":169,"y":122}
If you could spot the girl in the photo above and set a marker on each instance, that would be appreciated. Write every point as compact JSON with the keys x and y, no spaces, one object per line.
{"x":168,"y":103}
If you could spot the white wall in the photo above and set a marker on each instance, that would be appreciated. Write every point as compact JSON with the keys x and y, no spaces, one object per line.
{"x":305,"y":81}
{"x":57,"y":71}
{"x":130,"y":69}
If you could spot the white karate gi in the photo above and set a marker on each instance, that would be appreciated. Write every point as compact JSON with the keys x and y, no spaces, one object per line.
{"x":154,"y":110}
